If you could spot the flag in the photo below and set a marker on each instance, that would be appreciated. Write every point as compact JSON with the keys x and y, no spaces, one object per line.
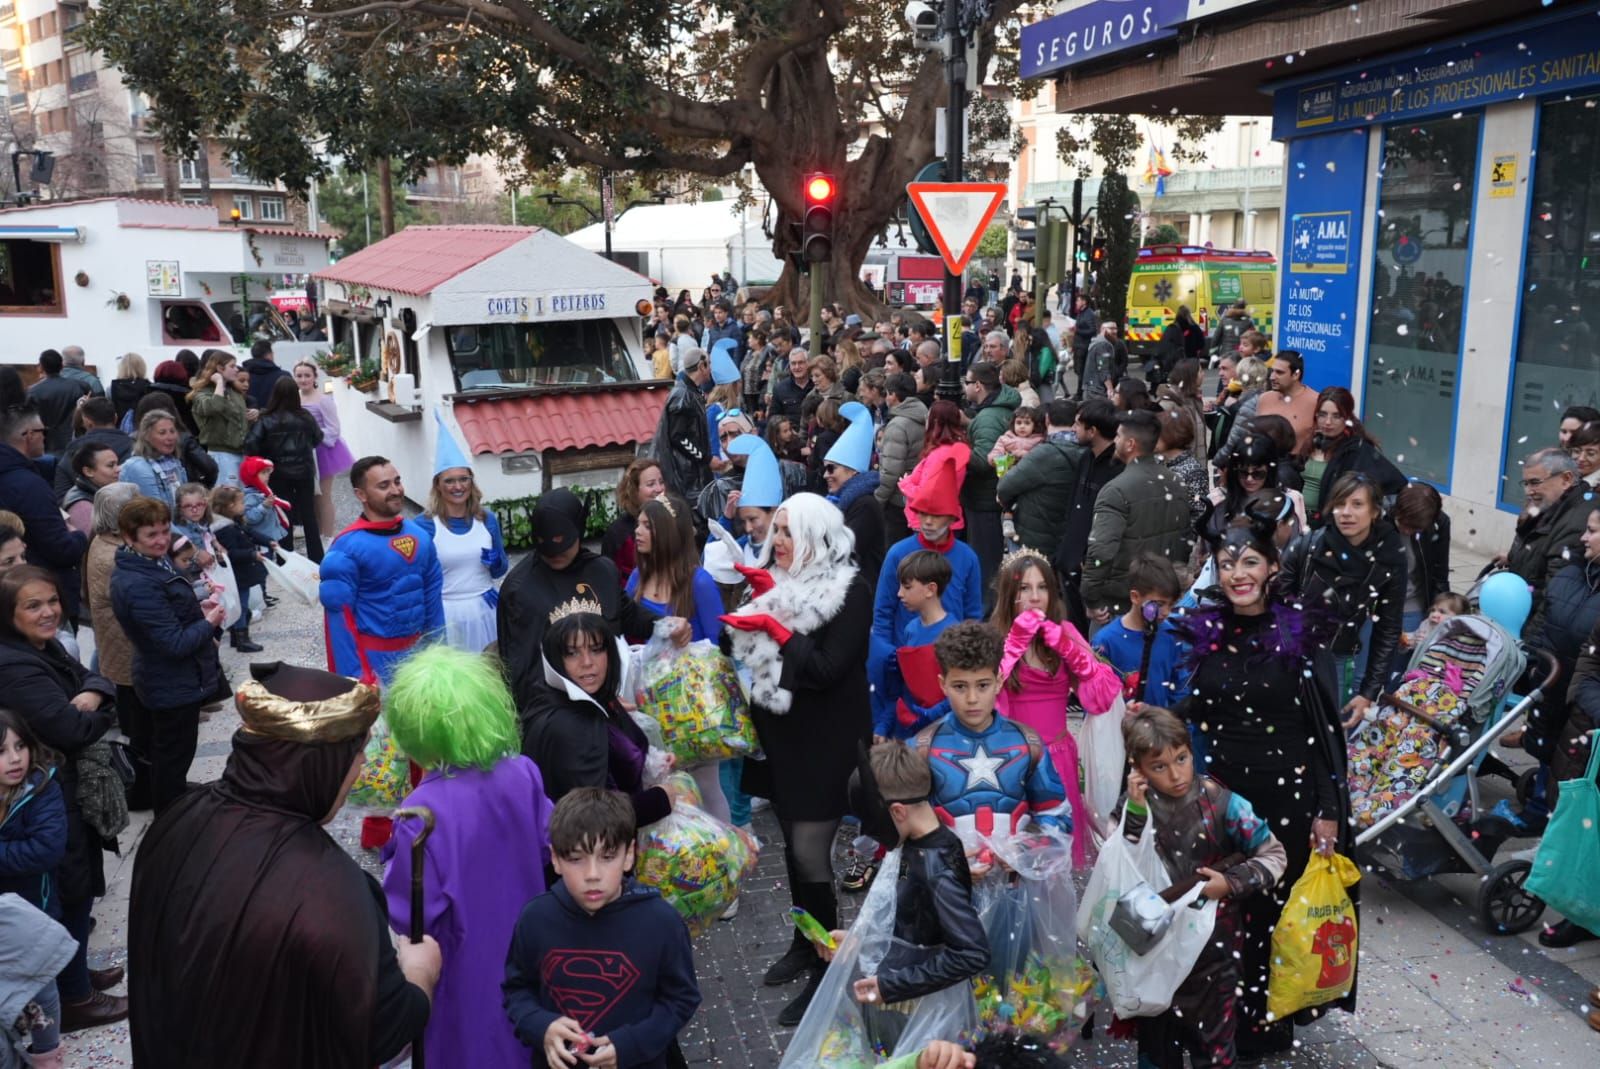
{"x":1156,"y":169}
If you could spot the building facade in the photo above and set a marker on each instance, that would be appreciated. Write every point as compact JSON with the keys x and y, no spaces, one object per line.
{"x":1441,"y":205}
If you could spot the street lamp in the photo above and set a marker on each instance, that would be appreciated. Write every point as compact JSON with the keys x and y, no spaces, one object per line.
{"x":44,"y":165}
{"x":556,"y":200}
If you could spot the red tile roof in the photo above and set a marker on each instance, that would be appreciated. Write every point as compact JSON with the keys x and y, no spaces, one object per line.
{"x":561,"y":420}
{"x":419,"y":259}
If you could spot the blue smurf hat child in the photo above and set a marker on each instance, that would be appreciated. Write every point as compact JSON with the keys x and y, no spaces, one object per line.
{"x":447,"y":452}
{"x":763,"y":481}
{"x":724,"y":368}
{"x":854,"y":447}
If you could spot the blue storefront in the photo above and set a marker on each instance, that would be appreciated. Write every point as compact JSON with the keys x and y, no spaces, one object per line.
{"x":1442,"y":247}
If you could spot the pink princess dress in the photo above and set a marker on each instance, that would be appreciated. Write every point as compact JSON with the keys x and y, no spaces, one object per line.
{"x":1041,"y":703}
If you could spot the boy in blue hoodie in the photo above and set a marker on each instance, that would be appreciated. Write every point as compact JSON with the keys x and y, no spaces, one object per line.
{"x":600,"y":966}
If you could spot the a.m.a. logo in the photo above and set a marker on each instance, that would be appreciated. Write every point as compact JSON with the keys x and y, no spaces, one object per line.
{"x":1333,"y":228}
{"x":1315,"y":105}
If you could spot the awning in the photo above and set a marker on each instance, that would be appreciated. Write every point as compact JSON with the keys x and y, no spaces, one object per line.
{"x":557,"y":421}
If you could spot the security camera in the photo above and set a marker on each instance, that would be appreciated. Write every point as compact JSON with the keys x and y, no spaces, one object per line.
{"x":925,"y":18}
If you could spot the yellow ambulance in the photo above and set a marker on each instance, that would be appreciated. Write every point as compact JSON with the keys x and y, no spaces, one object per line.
{"x":1205,"y":279}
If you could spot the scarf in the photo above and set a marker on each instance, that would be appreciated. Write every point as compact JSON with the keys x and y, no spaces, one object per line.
{"x":804,"y":604}
{"x":279,"y":505}
{"x":938,"y":547}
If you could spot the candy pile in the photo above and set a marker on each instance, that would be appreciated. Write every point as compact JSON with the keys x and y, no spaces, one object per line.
{"x":385,"y":773}
{"x":696,"y":862}
{"x":696,"y":698}
{"x":1049,"y":1000}
{"x":846,"y":1048}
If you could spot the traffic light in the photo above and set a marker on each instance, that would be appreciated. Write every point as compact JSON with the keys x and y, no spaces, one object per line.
{"x":1033,"y":243}
{"x":816,"y":232}
{"x":1098,"y":255}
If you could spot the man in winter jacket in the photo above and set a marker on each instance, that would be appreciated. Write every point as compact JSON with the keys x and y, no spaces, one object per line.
{"x":99,"y":428}
{"x":1550,"y":530}
{"x":722,"y":326}
{"x":1085,"y":328}
{"x":51,"y":543}
{"x":683,"y":437}
{"x":1231,"y":326}
{"x":1142,"y":510}
{"x":382,"y":588}
{"x":1106,"y":363}
{"x":1039,"y":489}
{"x":55,"y":397}
{"x":263,"y":373}
{"x":899,"y":449}
{"x":994,"y":405}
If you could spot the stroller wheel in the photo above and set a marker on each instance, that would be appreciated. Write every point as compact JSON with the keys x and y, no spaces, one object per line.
{"x":1503,"y":906}
{"x":1525,"y":781}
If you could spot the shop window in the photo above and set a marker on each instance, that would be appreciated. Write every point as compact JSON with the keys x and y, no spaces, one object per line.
{"x":1557,"y":356}
{"x":568,"y":353}
{"x":30,"y":278}
{"x":1419,"y":280}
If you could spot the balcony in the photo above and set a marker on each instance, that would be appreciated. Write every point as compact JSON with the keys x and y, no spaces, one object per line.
{"x":8,"y":9}
{"x":11,"y":57}
{"x":1220,"y":189}
{"x":19,"y":99}
{"x":82,"y":83}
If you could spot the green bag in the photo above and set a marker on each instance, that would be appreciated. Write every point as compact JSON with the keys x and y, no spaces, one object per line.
{"x":1047,"y":363}
{"x":1566,"y":871}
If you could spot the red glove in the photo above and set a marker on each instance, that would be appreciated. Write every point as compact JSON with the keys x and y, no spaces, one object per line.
{"x":759,"y":579}
{"x":759,"y":622}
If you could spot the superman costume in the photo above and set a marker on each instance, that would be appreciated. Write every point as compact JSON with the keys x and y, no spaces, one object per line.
{"x":990,"y":781}
{"x":381,"y":594}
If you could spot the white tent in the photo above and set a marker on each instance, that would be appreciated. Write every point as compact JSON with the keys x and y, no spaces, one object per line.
{"x":683,"y":244}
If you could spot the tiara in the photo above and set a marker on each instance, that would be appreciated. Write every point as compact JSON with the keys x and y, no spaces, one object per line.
{"x":1023,"y":554}
{"x":667,"y":504}
{"x":576,"y":605}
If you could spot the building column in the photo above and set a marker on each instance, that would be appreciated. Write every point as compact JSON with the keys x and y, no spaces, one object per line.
{"x":1194,"y":228}
{"x":1205,"y":228}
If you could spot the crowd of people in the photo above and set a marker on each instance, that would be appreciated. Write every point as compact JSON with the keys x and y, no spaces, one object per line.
{"x":927,"y":599}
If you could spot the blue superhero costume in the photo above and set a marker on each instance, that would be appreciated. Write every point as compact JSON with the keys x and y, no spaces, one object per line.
{"x":381,"y":595}
{"x":991,"y":781}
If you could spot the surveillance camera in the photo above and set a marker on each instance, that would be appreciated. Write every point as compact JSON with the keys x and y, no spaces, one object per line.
{"x":924,"y":18}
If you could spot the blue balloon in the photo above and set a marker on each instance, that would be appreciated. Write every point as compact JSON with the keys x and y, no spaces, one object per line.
{"x":1506,"y":599}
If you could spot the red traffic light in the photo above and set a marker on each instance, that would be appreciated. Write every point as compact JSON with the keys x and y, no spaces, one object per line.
{"x":819,"y":187}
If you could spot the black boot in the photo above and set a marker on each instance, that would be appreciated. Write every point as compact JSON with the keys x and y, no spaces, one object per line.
{"x":240,"y":640}
{"x":795,"y":1011}
{"x":1565,"y":934}
{"x":800,"y":956}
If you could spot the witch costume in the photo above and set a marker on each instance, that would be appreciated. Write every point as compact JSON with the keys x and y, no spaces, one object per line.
{"x":255,"y":939}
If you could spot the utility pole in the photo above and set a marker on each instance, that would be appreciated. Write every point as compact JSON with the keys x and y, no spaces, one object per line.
{"x":955,"y":67}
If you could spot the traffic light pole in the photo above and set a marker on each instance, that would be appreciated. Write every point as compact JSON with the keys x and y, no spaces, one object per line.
{"x":818,"y":281}
{"x":954,"y":143}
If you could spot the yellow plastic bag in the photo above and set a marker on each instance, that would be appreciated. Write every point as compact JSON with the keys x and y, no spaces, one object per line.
{"x":1314,"y":944}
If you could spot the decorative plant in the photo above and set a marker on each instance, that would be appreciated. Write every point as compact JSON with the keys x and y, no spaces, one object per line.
{"x":119,"y":301}
{"x":365,"y":377}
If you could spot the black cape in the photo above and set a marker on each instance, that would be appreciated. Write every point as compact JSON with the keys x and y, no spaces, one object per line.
{"x":253,"y":939}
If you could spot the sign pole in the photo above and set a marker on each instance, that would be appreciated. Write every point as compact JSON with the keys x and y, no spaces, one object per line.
{"x":954,"y":145}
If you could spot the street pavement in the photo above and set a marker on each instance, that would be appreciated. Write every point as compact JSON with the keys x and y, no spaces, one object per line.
{"x":1435,"y":988}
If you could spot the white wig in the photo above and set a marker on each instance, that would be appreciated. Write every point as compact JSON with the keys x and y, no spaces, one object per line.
{"x":822,"y":541}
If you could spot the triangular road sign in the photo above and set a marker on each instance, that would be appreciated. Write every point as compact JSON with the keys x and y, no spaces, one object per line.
{"x":957,"y":214}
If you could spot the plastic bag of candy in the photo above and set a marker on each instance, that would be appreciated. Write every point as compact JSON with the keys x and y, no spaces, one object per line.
{"x":694,"y":693}
{"x":838,"y":1032}
{"x":385,"y":773}
{"x":1036,"y":982}
{"x":696,"y":861}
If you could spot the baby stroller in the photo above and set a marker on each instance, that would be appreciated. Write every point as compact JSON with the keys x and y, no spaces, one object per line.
{"x":1412,"y":782}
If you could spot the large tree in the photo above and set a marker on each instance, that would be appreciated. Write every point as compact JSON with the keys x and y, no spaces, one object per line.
{"x":700,"y":88}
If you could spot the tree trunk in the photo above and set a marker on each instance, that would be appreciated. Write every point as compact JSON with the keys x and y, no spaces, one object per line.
{"x":202,"y":167}
{"x":801,"y":92}
{"x":385,"y":197}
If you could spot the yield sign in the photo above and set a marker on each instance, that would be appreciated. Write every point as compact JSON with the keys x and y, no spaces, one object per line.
{"x":957,"y":213}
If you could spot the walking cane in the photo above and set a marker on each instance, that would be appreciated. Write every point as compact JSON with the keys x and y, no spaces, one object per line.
{"x":424,"y":814}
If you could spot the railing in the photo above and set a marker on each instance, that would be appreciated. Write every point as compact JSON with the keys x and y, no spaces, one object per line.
{"x":1221,"y":180}
{"x":7,"y":9}
{"x":11,"y":57}
{"x":19,"y":99}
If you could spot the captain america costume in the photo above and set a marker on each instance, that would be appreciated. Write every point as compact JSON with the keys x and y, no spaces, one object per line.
{"x":990,"y":781}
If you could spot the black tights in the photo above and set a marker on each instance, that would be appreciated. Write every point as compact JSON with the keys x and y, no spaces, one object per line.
{"x":808,"y":853}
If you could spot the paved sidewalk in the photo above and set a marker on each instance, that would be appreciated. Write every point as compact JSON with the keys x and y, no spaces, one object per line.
{"x":1436,"y":990}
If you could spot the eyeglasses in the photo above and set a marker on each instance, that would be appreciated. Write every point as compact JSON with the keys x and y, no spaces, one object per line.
{"x":970,"y":382}
{"x":1534,"y":484}
{"x":1253,"y":473}
{"x":829,"y":469}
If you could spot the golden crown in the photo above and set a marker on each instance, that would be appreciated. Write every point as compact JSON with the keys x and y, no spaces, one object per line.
{"x":577,"y":604}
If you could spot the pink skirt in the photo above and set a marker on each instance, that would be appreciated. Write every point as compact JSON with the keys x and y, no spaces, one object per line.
{"x":334,"y":459}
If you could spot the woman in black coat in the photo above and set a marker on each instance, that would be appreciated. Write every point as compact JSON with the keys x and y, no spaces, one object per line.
{"x":1262,"y":695}
{"x":174,"y":637}
{"x":288,"y":435}
{"x":804,"y":638}
{"x":1349,"y":574}
{"x":1340,"y":446}
{"x":67,"y":707}
{"x":575,"y":728}
{"x":1567,"y":614}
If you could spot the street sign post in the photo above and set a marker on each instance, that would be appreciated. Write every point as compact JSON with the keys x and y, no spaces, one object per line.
{"x":956,"y":214}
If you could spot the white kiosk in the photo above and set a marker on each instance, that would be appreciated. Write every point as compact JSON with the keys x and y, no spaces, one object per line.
{"x":529,"y":346}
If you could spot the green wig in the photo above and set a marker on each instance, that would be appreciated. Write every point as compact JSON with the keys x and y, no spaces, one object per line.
{"x":450,"y":709}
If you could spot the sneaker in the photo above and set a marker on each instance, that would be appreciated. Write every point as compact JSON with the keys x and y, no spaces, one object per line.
{"x":731,"y":912}
{"x":1522,"y":825}
{"x":859,"y":871}
{"x":758,"y":804}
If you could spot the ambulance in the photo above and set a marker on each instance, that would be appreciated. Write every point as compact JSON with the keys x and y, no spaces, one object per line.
{"x":1205,"y":279}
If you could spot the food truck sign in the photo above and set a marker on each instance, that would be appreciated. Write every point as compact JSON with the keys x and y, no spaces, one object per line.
{"x":545,"y":306}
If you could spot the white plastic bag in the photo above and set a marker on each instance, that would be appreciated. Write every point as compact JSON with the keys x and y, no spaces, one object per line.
{"x":297,"y":574}
{"x":1140,"y":985}
{"x":223,"y":575}
{"x":1103,"y":757}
